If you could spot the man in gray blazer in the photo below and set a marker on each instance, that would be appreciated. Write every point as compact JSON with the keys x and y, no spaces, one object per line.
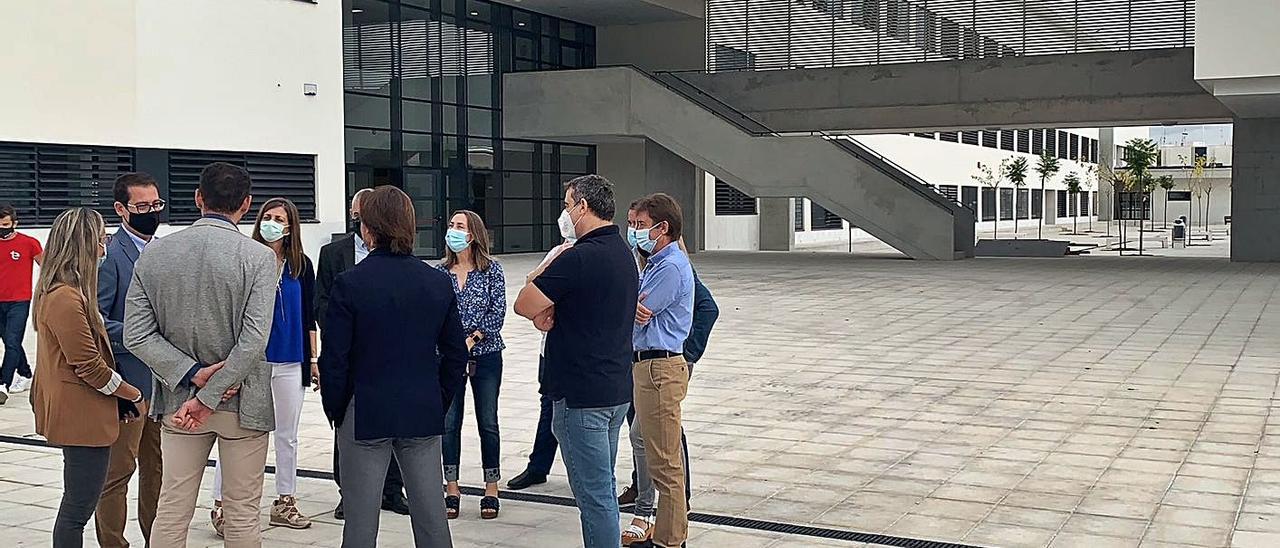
{"x":199,"y":314}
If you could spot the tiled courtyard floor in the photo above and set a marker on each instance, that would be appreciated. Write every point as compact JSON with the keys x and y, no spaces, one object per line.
{"x":1087,"y":401}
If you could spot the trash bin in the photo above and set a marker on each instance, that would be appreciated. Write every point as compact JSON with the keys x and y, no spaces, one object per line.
{"x":1179,"y":230}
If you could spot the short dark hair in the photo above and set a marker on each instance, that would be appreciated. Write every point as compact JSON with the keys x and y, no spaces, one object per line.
{"x":224,"y":187}
{"x":6,"y":210}
{"x":662,"y":208}
{"x":598,"y":193}
{"x":387,"y":213}
{"x":120,"y":191}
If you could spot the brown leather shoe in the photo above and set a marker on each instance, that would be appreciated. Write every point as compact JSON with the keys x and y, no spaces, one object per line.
{"x":628,"y":495}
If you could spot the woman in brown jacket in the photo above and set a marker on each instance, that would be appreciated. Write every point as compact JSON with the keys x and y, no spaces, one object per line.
{"x":78,"y":397}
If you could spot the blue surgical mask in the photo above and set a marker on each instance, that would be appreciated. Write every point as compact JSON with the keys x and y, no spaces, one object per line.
{"x":456,"y":239}
{"x":643,"y":241}
{"x":631,"y":236}
{"x":271,"y":231}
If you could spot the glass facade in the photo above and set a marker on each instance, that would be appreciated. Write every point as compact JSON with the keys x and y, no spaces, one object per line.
{"x":423,"y":93}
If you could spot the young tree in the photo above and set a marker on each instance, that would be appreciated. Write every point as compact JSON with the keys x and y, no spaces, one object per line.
{"x":1090,"y":176}
{"x":1072,"y":181}
{"x":1016,"y":172}
{"x":1166,"y":182}
{"x":1208,"y":192}
{"x":1047,"y":166}
{"x":1140,"y":157}
{"x":1118,"y":180}
{"x":991,"y":178}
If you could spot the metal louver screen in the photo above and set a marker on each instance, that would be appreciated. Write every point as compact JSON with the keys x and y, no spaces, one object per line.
{"x":731,"y":201}
{"x":781,"y":34}
{"x":289,"y":176}
{"x":428,"y":49}
{"x":43,"y":180}
{"x":821,"y":219}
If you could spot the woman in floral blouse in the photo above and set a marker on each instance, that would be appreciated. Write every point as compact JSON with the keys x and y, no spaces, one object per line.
{"x":482,"y":303}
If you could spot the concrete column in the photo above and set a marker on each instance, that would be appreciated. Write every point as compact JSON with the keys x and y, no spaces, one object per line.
{"x":1106,"y":159}
{"x":777,"y":224}
{"x":644,"y":167}
{"x":1050,"y":207}
{"x":1255,"y":191}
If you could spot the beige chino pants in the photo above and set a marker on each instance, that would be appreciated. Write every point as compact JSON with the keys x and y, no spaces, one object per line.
{"x":660,"y":387}
{"x":243,"y":454}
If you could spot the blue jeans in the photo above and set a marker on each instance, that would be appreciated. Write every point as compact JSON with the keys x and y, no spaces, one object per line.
{"x":13,"y":322}
{"x":589,"y":446}
{"x":484,"y":390}
{"x":544,"y":442}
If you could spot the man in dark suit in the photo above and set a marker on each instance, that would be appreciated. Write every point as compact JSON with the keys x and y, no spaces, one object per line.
{"x":138,"y":203}
{"x":336,"y":257}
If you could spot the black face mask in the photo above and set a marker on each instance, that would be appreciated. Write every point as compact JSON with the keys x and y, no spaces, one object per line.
{"x":144,"y":223}
{"x":6,"y":232}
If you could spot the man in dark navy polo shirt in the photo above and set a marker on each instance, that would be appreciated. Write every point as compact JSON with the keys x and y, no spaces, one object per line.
{"x":585,"y":299}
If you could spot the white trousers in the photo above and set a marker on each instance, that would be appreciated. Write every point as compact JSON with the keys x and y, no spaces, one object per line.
{"x":287,"y":392}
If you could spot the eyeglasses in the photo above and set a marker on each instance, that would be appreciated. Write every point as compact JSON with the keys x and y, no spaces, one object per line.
{"x":157,"y":205}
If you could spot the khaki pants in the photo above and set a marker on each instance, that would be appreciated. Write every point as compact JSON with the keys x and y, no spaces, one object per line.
{"x":660,"y":386}
{"x":243,"y":454}
{"x":137,"y":448}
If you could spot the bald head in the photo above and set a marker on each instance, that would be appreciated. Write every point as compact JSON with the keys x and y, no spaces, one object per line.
{"x":355,"y":203}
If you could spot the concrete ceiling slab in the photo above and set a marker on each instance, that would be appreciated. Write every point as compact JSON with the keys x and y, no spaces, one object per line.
{"x":615,"y":12}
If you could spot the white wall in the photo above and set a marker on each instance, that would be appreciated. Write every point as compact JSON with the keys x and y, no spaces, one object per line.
{"x":731,"y":232}
{"x":1236,"y":39}
{"x":191,"y":74}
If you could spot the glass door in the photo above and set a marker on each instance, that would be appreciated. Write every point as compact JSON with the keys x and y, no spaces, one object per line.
{"x":425,"y":188}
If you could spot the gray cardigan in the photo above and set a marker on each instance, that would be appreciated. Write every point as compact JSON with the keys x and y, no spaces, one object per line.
{"x":205,"y":295}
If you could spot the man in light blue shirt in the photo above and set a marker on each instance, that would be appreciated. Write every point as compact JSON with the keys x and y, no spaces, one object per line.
{"x":660,"y":375}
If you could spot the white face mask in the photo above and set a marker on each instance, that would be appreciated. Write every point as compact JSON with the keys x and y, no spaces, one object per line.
{"x":567,"y":228}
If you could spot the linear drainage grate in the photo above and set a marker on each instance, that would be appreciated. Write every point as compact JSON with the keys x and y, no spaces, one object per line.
{"x":697,"y":517}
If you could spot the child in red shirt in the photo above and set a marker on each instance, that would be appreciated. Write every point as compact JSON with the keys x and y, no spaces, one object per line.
{"x":18,"y":255}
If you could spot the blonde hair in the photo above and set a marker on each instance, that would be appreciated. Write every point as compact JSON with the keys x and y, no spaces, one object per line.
{"x":71,"y":258}
{"x":479,"y":242}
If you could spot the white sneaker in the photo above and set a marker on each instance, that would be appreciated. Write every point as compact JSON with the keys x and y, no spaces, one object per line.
{"x":4,"y":395}
{"x":20,"y":384}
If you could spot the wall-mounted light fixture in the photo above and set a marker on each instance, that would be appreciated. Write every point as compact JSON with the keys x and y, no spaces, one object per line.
{"x":309,"y":90}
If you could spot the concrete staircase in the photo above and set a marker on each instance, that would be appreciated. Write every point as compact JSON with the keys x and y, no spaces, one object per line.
{"x":623,"y":103}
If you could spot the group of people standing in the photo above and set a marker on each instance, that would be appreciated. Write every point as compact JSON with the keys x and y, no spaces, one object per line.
{"x":211,"y":337}
{"x":617,"y":348}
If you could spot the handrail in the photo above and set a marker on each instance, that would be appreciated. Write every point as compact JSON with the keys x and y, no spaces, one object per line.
{"x":847,"y":144}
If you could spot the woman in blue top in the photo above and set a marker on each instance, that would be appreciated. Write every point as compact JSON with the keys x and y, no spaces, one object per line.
{"x":289,"y":351}
{"x":482,"y":303}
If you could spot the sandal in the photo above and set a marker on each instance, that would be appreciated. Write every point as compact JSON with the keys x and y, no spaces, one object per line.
{"x":489,"y":507}
{"x":216,"y":518}
{"x":451,"y":506}
{"x":635,"y":534}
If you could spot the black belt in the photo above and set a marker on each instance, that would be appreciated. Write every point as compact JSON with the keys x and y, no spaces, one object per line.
{"x":652,"y":355}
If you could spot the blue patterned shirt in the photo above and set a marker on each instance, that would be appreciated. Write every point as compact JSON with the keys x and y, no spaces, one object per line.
{"x":482,"y":304}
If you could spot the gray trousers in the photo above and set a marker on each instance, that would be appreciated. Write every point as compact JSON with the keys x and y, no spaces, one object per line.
{"x":84,"y":472}
{"x":364,"y":467}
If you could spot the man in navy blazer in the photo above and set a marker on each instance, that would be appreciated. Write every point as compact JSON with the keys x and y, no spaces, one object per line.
{"x":394,"y":355}
{"x":336,"y":257}
{"x":138,"y":203}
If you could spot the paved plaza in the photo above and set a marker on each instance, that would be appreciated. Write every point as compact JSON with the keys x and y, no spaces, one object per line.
{"x":1075,"y":402}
